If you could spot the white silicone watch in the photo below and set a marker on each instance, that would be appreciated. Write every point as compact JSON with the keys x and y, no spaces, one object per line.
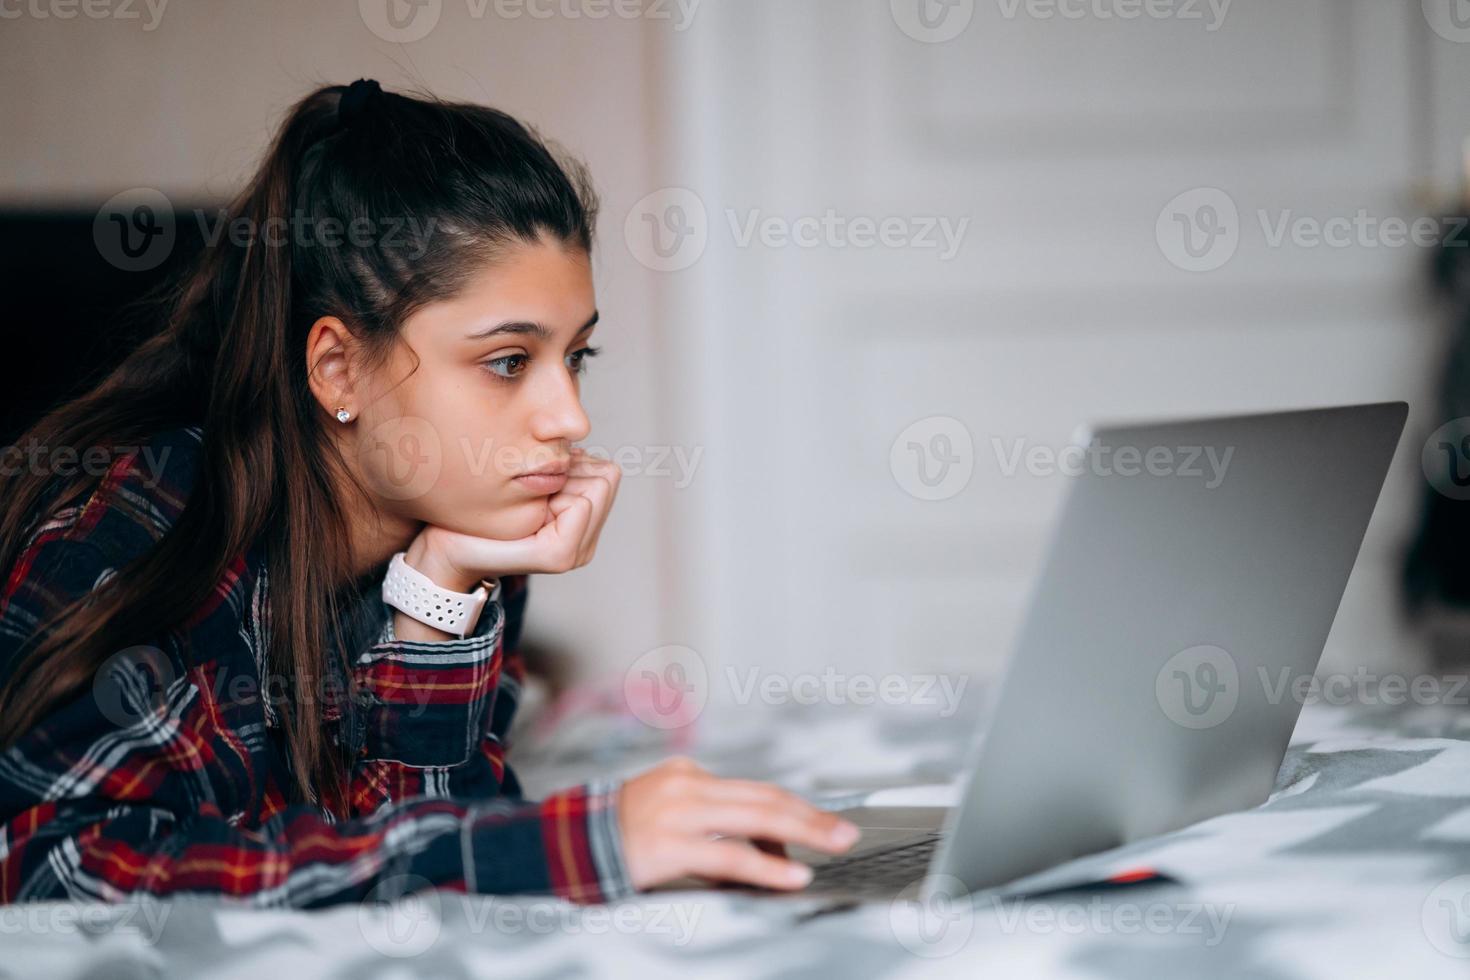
{"x":410,"y":591}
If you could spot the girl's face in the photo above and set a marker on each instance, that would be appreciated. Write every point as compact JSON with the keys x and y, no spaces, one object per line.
{"x":495,"y":395}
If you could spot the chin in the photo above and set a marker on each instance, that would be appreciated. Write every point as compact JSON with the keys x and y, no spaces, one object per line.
{"x":510,"y":523}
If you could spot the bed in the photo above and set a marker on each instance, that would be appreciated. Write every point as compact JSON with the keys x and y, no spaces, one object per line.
{"x":1358,"y":865}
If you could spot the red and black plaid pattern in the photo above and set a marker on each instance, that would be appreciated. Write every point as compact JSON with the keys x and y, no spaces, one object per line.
{"x":167,"y":777}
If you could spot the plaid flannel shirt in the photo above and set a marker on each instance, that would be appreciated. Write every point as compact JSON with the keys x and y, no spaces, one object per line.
{"x":125,"y":790}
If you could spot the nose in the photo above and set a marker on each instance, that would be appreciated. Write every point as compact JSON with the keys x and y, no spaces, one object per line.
{"x":558,"y":413}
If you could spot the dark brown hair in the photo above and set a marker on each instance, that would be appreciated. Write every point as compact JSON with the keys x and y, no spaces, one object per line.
{"x":445,"y":188}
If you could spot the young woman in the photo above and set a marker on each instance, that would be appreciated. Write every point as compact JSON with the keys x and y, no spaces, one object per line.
{"x":268,"y":652}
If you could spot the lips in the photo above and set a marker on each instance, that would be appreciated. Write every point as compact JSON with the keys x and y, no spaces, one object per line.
{"x":547,"y":480}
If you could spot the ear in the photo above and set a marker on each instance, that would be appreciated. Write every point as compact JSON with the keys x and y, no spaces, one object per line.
{"x":330,"y":364}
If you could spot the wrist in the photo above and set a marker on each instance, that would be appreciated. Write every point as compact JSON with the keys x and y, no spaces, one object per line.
{"x":428,"y":562}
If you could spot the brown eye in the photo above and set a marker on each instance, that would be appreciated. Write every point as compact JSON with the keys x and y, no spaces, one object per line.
{"x":508,"y":366}
{"x":577,"y":360}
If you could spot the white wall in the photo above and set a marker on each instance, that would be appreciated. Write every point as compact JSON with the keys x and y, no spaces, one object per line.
{"x":792,"y":370}
{"x":1062,"y":140}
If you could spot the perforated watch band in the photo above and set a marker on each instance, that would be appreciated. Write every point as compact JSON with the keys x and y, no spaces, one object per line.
{"x":412,"y":592}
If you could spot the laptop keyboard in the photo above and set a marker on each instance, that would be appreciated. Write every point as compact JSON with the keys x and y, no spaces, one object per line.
{"x":887,"y":870}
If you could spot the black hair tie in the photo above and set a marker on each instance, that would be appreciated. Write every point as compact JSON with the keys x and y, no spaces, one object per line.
{"x":354,"y":104}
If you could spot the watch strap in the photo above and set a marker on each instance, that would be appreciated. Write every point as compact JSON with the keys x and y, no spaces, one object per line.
{"x":416,"y":595}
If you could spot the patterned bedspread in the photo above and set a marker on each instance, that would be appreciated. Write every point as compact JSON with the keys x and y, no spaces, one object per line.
{"x":1358,"y":865}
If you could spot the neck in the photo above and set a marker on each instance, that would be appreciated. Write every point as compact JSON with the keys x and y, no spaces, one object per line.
{"x":374,"y":535}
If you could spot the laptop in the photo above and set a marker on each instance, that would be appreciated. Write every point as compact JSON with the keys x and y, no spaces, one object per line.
{"x":1195,"y":563}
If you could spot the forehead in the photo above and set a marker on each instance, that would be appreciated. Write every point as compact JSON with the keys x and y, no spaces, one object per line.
{"x":548,"y":279}
{"x":547,"y":284}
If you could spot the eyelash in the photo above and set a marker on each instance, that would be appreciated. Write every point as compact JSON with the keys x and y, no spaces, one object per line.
{"x":580,"y":368}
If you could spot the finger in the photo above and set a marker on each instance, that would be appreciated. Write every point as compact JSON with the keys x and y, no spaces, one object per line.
{"x":769,"y":794}
{"x":819,"y":831}
{"x":599,"y":490}
{"x":584,"y":463}
{"x":552,"y":549}
{"x":754,"y":791}
{"x":569,"y":530}
{"x":725,"y":860}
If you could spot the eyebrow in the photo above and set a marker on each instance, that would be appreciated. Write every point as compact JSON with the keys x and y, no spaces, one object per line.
{"x":530,"y":327}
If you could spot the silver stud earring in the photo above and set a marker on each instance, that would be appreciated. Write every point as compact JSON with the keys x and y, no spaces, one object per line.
{"x":343,"y":415}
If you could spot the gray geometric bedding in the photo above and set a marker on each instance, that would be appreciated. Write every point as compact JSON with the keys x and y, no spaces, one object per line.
{"x":1358,"y":865}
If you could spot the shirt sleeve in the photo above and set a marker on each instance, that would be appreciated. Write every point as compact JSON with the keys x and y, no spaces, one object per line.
{"x":429,"y":714}
{"x":135,"y":787}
